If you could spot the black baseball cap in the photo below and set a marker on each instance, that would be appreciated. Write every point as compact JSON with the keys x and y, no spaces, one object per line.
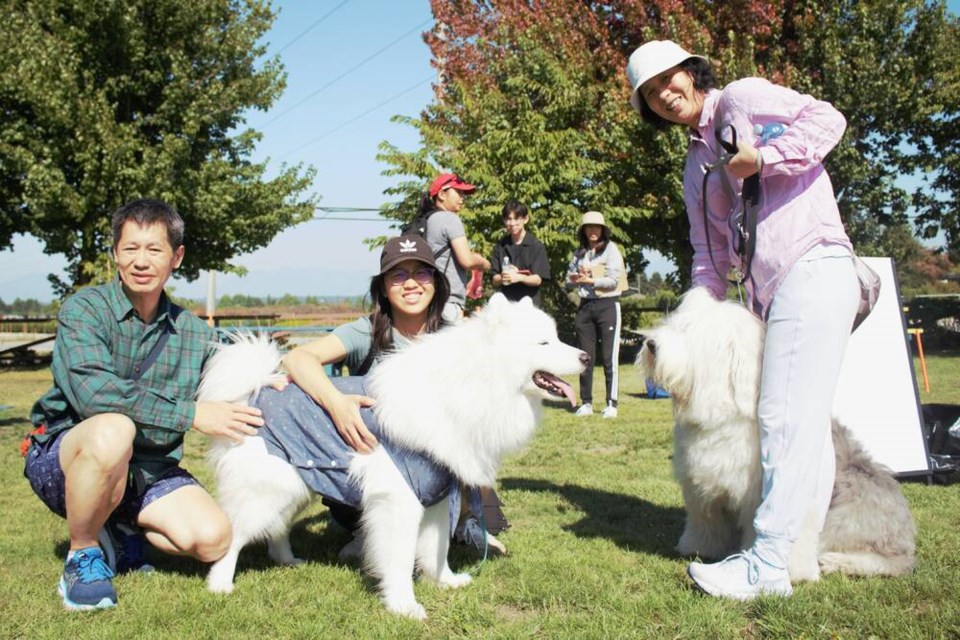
{"x":409,"y":247}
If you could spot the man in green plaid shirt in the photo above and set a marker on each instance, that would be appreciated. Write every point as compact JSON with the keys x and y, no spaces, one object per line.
{"x":126,"y":366}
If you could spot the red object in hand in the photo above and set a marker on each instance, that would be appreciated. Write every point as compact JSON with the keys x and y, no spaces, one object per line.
{"x":475,"y":286}
{"x":27,"y":441}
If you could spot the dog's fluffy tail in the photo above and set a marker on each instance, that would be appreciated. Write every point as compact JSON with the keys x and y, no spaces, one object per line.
{"x":869,"y":529}
{"x":239,"y":369}
{"x":865,"y":563}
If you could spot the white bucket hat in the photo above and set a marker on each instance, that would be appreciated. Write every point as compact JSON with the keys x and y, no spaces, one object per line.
{"x":593,"y":217}
{"x":650,"y":59}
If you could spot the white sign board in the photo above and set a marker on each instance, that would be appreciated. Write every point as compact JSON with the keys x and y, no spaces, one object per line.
{"x":877,"y":397}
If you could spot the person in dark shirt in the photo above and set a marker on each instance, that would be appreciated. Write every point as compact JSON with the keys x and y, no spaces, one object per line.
{"x":519,"y":263}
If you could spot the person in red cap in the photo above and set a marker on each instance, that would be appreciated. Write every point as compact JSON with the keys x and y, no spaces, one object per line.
{"x":448,"y":239}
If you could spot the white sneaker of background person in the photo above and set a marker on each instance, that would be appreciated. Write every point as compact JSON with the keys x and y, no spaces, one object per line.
{"x":471,"y":533}
{"x":609,"y":411}
{"x":584,"y":410}
{"x":742,"y":576}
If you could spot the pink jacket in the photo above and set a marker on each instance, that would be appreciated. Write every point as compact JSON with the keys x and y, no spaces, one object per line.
{"x":797,"y":210}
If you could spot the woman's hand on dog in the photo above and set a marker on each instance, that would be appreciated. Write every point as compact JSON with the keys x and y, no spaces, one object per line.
{"x":226,"y":419}
{"x":345,"y":413}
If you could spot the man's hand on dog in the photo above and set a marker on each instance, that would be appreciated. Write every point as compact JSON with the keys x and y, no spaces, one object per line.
{"x":345,"y":413}
{"x":227,"y":419}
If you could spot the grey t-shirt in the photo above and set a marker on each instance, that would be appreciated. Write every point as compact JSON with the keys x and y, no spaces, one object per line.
{"x":357,"y":337}
{"x":442,"y":228}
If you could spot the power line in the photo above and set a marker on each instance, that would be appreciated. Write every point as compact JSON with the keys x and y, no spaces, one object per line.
{"x":311,"y":27}
{"x":354,"y":219}
{"x":342,"y":75}
{"x":329,"y":210}
{"x":355,"y":118}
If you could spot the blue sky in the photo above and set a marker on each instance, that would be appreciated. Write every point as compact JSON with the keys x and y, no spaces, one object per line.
{"x":351,"y":65}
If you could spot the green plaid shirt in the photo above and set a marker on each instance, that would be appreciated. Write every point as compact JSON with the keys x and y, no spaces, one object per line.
{"x":100,"y":341}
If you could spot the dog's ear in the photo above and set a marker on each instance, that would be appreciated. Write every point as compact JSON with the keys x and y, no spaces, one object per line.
{"x":497,"y":302}
{"x":497,"y":308}
{"x":665,"y":358}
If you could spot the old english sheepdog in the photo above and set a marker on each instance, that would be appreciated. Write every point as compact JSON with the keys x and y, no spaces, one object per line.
{"x":708,"y":355}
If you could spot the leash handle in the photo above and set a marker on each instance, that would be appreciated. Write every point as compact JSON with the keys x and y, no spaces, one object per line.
{"x":745,"y":222}
{"x":730,"y":146}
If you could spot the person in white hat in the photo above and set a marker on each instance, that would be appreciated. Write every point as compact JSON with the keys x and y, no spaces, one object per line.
{"x":801,"y":265}
{"x":597,"y":273}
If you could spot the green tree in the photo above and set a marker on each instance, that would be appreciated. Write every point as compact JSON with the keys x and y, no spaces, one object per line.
{"x":532,"y":103}
{"x":288,"y":300}
{"x":536,"y":126}
{"x":890,"y":68}
{"x":104,"y":102}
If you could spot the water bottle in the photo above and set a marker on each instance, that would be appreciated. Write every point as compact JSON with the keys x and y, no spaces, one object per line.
{"x":505,"y":264}
{"x":769,"y":131}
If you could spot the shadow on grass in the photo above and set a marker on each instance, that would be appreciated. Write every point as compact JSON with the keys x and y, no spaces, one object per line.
{"x":630,"y":522}
{"x":643,"y":395}
{"x":312,"y":546}
{"x":33,"y":364}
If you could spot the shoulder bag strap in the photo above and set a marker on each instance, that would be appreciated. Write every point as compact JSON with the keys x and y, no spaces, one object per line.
{"x":142,"y":368}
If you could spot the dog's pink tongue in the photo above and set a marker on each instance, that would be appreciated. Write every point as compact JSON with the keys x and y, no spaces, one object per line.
{"x":567,"y":392}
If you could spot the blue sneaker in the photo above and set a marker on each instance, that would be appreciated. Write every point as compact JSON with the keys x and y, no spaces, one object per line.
{"x":85,"y":583}
{"x":124,"y":549}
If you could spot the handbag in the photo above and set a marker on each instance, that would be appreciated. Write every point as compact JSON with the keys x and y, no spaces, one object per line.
{"x":869,"y":290}
{"x":599,"y":270}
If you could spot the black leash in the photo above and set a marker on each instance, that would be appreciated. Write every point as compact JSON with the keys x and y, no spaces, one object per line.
{"x":745,"y":222}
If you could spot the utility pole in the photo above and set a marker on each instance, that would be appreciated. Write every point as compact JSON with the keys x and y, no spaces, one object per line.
{"x":211,"y":297}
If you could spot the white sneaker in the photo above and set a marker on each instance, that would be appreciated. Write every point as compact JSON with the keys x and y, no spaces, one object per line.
{"x":472,"y":534}
{"x":584,"y":410}
{"x":609,"y":411}
{"x":742,"y":576}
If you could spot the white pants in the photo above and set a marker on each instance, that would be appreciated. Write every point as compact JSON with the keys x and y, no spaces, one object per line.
{"x":807,"y":331}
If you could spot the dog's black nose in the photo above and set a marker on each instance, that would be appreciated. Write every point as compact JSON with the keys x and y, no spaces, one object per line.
{"x":651,"y":346}
{"x":584,"y":359}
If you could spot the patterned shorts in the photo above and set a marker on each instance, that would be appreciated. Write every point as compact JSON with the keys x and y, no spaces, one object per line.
{"x":48,"y":482}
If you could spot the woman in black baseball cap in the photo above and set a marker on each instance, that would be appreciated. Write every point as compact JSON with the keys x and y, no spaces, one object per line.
{"x":407,"y":299}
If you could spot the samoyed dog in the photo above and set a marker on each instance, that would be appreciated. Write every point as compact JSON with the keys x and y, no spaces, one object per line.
{"x":708,"y":355}
{"x":456,"y":401}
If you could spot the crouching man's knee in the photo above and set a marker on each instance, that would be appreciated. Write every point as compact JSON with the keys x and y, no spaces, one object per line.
{"x":212,"y":539}
{"x":104,"y":442}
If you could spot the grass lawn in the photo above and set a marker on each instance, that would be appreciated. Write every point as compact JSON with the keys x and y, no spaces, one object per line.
{"x":594,"y":512}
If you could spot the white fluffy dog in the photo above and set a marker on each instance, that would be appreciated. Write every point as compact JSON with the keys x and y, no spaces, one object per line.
{"x":465,"y":397}
{"x":708,"y":355}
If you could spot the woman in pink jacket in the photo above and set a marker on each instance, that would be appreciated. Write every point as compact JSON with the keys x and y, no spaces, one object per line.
{"x":800,"y":277}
